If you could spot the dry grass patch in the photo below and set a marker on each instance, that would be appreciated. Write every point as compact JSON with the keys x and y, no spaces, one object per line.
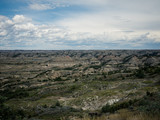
{"x":124,"y":115}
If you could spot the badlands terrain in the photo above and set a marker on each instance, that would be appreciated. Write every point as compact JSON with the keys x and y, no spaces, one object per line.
{"x":80,"y":85}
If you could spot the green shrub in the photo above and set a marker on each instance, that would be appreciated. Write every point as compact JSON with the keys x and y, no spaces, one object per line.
{"x":58,"y":103}
{"x":58,"y":79}
{"x":117,"y":106}
{"x":140,"y":74}
{"x":2,"y":99}
{"x":6,"y":113}
{"x":95,"y":66}
{"x":149,"y":93}
{"x":69,"y":68}
{"x":18,"y":93}
{"x":45,"y":106}
{"x":105,"y":108}
{"x":72,"y":88}
{"x":148,"y":82}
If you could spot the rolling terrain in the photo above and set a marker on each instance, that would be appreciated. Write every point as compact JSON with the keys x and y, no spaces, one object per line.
{"x":77,"y":84}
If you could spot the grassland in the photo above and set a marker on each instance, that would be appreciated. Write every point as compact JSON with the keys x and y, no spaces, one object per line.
{"x":80,"y":85}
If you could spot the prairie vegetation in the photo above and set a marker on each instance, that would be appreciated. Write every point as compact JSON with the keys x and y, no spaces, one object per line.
{"x":80,"y":85}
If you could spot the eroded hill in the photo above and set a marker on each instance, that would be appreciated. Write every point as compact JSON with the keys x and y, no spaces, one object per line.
{"x":70,"y":84}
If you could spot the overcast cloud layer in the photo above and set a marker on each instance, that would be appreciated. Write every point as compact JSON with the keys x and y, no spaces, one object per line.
{"x":79,"y":24}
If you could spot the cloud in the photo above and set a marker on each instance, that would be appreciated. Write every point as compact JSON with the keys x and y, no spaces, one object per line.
{"x":27,"y":26}
{"x":122,"y":5}
{"x":81,"y":24}
{"x":20,"y":19}
{"x":21,"y":32}
{"x":47,"y":4}
{"x":40,"y":6}
{"x":99,"y":16}
{"x":52,"y":4}
{"x":3,"y":33}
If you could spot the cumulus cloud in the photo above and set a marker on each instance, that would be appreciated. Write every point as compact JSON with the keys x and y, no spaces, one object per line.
{"x":84,"y":24}
{"x":27,"y":26}
{"x":21,"y":33}
{"x":3,"y":33}
{"x":18,"y":18}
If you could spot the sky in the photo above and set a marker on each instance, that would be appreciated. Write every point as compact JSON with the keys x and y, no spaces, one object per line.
{"x":79,"y":24}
